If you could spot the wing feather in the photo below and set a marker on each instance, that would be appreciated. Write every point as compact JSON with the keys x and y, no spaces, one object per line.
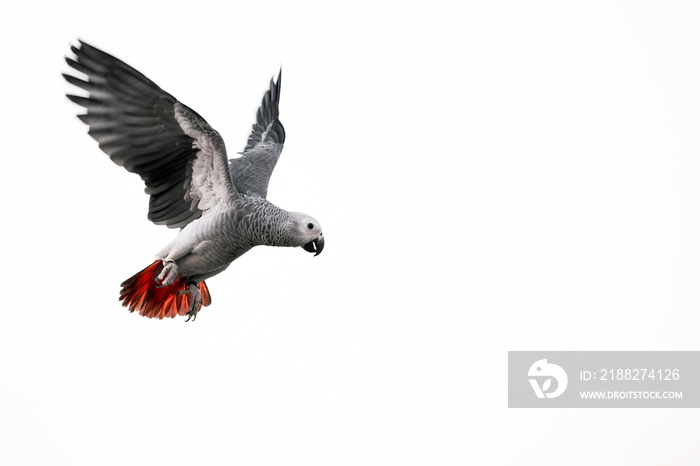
{"x":180,"y":158}
{"x":251,"y":172}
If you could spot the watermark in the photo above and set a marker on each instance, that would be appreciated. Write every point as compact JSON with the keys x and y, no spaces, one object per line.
{"x":604,"y":379}
{"x":547,"y":372}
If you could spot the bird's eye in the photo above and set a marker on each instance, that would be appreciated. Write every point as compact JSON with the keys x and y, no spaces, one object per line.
{"x":310,"y":226}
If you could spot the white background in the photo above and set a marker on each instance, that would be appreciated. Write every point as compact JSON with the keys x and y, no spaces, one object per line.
{"x":492,"y":176}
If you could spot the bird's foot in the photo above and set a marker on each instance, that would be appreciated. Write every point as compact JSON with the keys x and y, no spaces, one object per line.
{"x":195,"y":300}
{"x":168,"y":274}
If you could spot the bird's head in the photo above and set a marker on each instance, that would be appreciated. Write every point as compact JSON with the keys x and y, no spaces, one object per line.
{"x":307,"y":233}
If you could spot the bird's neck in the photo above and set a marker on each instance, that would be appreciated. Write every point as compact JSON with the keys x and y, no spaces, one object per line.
{"x":264,"y":224}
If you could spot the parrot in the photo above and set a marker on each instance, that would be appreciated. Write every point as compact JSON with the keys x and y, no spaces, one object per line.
{"x":219,"y":205}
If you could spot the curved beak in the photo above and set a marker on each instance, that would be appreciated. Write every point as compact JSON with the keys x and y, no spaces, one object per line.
{"x":315,"y":246}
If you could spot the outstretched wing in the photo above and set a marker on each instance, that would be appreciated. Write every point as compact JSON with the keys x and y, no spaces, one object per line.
{"x":141,"y":127}
{"x":251,"y":172}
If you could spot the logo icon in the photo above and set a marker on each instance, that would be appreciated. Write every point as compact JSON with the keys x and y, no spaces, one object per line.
{"x":544,"y":371}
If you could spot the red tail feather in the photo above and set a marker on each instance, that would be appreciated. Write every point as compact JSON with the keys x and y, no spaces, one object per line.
{"x":142,"y":293}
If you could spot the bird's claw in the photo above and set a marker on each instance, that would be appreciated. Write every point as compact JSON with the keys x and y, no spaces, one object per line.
{"x":168,"y":274}
{"x":195,"y":300}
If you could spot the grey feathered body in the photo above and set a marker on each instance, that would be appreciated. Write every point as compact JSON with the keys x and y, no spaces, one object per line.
{"x":218,"y":239}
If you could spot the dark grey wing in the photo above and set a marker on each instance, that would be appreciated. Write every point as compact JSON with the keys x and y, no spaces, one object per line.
{"x":251,"y":172}
{"x":141,"y":127}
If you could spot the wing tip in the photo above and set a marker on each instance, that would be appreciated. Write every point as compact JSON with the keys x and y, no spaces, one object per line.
{"x":275,"y":87}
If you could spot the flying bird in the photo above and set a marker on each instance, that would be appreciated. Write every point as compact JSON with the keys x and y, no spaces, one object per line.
{"x":219,"y":205}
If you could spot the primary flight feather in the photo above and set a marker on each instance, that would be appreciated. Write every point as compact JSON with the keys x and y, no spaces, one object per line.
{"x":219,"y":204}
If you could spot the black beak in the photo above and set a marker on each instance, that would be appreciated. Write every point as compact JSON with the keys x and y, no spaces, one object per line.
{"x":315,"y":246}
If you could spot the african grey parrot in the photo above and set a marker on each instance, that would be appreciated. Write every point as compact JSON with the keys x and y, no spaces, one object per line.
{"x":219,"y":204}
